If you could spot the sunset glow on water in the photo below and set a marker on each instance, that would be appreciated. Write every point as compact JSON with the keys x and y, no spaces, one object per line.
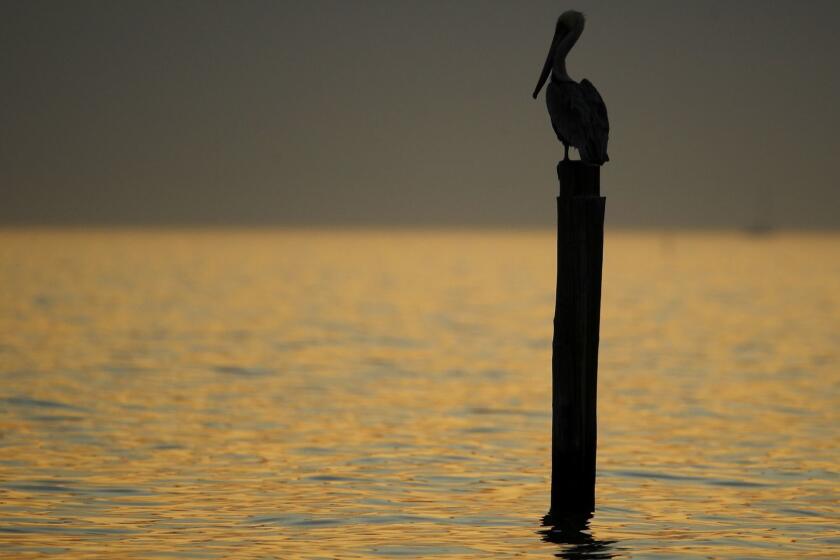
{"x":377,"y":394}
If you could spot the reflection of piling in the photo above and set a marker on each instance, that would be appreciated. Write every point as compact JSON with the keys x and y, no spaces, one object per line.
{"x":574,"y":363}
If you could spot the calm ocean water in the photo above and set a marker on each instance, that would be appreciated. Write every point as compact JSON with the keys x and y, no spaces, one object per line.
{"x":305,"y":394}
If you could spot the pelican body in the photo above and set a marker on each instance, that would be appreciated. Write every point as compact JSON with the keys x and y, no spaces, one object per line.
{"x":578,"y":114}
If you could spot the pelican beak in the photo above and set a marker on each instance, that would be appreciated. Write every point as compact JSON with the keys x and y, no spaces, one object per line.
{"x":549,"y":61}
{"x":559,"y":31}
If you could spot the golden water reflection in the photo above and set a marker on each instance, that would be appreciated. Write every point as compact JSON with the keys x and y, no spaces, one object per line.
{"x":314,"y":394}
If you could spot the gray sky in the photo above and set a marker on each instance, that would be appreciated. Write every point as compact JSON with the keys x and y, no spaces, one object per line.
{"x":411,"y":112}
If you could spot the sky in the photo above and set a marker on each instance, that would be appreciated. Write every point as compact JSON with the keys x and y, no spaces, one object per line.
{"x":411,"y":112}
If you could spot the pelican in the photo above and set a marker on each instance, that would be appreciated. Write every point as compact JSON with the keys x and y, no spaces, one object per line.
{"x":578,"y":114}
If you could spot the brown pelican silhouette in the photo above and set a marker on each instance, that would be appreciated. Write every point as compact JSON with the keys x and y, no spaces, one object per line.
{"x":578,"y":114}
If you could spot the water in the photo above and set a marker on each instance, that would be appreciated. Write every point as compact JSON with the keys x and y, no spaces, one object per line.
{"x":306,"y":394}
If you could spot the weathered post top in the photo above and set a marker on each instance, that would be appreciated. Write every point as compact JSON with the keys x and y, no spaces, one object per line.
{"x":578,"y":179}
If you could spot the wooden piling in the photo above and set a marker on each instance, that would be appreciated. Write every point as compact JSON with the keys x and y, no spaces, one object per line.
{"x":577,"y":315}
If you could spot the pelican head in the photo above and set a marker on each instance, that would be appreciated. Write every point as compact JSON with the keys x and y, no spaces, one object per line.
{"x":570,"y":22}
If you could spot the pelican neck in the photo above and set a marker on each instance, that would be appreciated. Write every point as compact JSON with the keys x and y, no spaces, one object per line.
{"x":561,"y":79}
